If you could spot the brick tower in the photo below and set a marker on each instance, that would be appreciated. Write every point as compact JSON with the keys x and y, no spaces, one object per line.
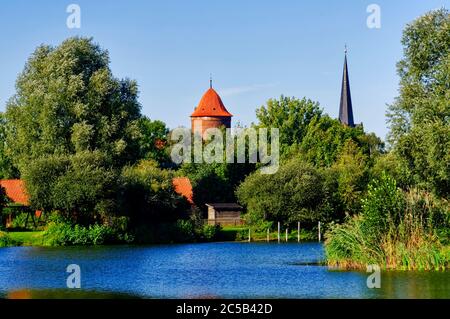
{"x":210,"y":113}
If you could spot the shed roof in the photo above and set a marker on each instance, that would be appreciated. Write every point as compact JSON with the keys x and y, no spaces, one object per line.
{"x":221,"y":206}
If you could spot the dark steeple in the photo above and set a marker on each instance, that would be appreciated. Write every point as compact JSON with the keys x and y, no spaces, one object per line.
{"x":345,"y":109}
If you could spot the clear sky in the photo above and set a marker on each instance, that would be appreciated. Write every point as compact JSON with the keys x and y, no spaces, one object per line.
{"x":255,"y":50}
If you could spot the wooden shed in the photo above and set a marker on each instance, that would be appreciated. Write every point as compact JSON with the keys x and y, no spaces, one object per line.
{"x":224,"y":214}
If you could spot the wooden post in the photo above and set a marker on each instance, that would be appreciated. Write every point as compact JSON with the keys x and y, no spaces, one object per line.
{"x":249,"y":237}
{"x":268,"y":234}
{"x":298,"y":232}
{"x":320,"y":235}
{"x":278,"y":231}
{"x":286,"y":234}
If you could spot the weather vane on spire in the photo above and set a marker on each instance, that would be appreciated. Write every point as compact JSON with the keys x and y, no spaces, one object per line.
{"x":345,"y":50}
{"x":210,"y":80}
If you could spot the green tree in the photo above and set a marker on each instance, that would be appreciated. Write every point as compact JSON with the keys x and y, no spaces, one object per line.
{"x":153,"y":141}
{"x":419,"y":118}
{"x":71,"y":127}
{"x":295,"y":193}
{"x":68,"y":101}
{"x":147,"y":194}
{"x":7,"y":169}
{"x":326,"y":137}
{"x":82,"y":187}
{"x":352,"y":174}
{"x":291,"y":116}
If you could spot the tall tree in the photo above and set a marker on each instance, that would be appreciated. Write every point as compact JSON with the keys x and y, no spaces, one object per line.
{"x":420,"y":117}
{"x":71,"y":127}
{"x":68,"y":101}
{"x":291,"y":116}
{"x":7,"y":169}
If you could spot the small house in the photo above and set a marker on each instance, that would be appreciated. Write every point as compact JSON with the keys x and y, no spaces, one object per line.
{"x":224,"y":214}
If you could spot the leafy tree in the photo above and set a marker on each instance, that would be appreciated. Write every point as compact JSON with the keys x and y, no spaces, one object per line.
{"x":153,"y":141}
{"x":71,"y":127}
{"x":7,"y":169}
{"x":419,"y":118}
{"x":295,"y":193}
{"x":68,"y":101}
{"x":291,"y":116}
{"x":82,"y":187}
{"x":326,"y":137}
{"x":147,"y":194}
{"x":352,"y":174}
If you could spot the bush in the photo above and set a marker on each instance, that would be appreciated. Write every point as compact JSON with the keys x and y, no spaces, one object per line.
{"x":294,"y":193}
{"x":6,"y":240}
{"x":65,"y":234}
{"x":184,"y":231}
{"x":209,"y":232}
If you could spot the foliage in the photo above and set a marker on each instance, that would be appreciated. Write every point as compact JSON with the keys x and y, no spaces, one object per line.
{"x":352,"y":175}
{"x":291,"y":116}
{"x":6,"y":240}
{"x":209,"y":232}
{"x":393,"y":231}
{"x":153,"y":141}
{"x":147,"y":194}
{"x":215,"y":182}
{"x":419,"y":118}
{"x":294,"y":193}
{"x":68,"y":101}
{"x":7,"y":169}
{"x":326,"y":137}
{"x":70,"y":128}
{"x":66,"y":234}
{"x":80,"y":186}
{"x":19,"y":221}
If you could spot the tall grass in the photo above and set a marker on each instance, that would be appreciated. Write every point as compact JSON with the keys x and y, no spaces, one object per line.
{"x":395,"y":230}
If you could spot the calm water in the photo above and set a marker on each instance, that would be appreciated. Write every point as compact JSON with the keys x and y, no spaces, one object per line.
{"x":216,"y":270}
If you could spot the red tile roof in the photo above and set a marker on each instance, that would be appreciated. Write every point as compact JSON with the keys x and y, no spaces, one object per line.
{"x":211,"y":105}
{"x":15,"y":190}
{"x":183,"y":187}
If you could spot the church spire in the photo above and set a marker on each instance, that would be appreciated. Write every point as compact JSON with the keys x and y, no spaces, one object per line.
{"x":345,"y":108}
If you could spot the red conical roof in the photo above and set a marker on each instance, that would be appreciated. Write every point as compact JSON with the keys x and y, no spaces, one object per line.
{"x":211,"y":105}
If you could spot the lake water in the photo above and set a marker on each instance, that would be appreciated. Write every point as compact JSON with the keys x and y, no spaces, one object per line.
{"x":213,"y":270}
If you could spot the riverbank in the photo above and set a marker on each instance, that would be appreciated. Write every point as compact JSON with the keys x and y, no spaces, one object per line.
{"x":224,"y":234}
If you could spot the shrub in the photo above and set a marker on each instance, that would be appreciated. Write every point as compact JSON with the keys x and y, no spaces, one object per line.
{"x":209,"y":232}
{"x":184,"y":231}
{"x":6,"y":240}
{"x":65,"y":234}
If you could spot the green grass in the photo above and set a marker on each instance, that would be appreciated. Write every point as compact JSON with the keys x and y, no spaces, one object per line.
{"x":27,"y":238}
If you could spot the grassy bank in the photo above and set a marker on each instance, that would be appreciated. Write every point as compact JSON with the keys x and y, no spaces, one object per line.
{"x":395,"y":230}
{"x":26,"y":238}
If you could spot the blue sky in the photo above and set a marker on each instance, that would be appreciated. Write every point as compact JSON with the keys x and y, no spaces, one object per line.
{"x":255,"y":50}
